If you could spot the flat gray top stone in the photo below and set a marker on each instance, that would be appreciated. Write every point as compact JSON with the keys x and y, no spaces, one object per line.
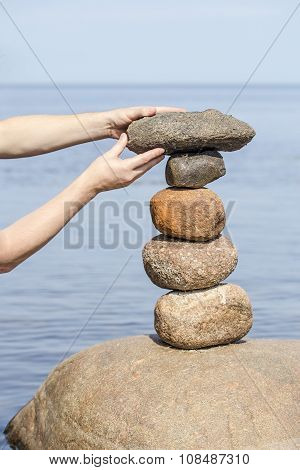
{"x":178,"y":132}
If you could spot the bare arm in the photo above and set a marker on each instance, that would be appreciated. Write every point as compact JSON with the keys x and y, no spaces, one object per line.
{"x":32,"y":232}
{"x":26,"y":136}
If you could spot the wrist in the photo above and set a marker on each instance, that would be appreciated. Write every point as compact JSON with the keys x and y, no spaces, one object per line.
{"x":82,"y":190}
{"x":98,"y":125}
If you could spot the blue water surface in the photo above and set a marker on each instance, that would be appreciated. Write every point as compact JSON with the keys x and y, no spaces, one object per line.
{"x":65,"y":299}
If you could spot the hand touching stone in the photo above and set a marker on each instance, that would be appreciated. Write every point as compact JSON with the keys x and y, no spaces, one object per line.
{"x":110,"y":171}
{"x":118,"y":120}
{"x":23,"y":238}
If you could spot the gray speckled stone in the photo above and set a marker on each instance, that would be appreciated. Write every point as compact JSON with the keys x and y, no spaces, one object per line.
{"x":194,"y":170}
{"x":137,"y":393}
{"x":182,"y":265}
{"x":177,"y":132}
{"x":197,"y":319}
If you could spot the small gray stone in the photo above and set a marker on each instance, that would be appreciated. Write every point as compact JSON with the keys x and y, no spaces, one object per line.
{"x":182,"y":265}
{"x":197,"y":319}
{"x":194,"y":170}
{"x":139,"y":393}
{"x":176,"y":132}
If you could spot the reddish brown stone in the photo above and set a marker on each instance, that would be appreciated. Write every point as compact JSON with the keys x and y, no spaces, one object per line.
{"x":189,"y":214}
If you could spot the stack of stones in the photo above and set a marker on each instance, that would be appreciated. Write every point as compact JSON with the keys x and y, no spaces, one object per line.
{"x":191,"y":257}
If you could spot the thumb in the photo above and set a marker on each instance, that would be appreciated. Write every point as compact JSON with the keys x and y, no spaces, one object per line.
{"x":118,"y":148}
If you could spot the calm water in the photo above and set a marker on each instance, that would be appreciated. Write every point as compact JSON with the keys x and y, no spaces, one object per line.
{"x":48,"y":299}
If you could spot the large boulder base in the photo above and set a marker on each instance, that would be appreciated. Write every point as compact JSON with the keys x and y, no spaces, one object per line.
{"x":136,"y":393}
{"x":194,"y":170}
{"x":202,"y":318}
{"x":183,"y":265}
{"x":189,"y":214}
{"x":176,"y":132}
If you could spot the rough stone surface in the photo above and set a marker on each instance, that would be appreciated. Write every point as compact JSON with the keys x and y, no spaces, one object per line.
{"x":182,"y":265}
{"x":197,"y":319}
{"x":175,"y":132}
{"x":194,"y":170}
{"x":136,"y":393}
{"x":190,"y":214}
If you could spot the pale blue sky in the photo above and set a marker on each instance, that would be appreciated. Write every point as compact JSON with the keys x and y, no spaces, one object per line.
{"x":158,"y":41}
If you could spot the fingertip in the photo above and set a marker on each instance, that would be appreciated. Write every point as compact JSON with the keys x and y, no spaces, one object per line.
{"x":119,"y":146}
{"x":123,"y":137}
{"x":150,"y":111}
{"x":170,"y":109}
{"x":157,"y":160}
{"x":160,"y":151}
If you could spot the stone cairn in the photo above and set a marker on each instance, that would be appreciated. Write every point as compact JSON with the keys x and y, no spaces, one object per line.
{"x":191,"y":257}
{"x":128,"y":393}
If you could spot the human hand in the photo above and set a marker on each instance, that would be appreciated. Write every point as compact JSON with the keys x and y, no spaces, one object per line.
{"x":111,"y":172}
{"x":118,"y":120}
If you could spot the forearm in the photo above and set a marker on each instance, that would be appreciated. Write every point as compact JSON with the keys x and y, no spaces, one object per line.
{"x":25,"y":136}
{"x":32,"y":232}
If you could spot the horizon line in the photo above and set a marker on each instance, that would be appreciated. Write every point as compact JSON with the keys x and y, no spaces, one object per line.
{"x":146,"y":85}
